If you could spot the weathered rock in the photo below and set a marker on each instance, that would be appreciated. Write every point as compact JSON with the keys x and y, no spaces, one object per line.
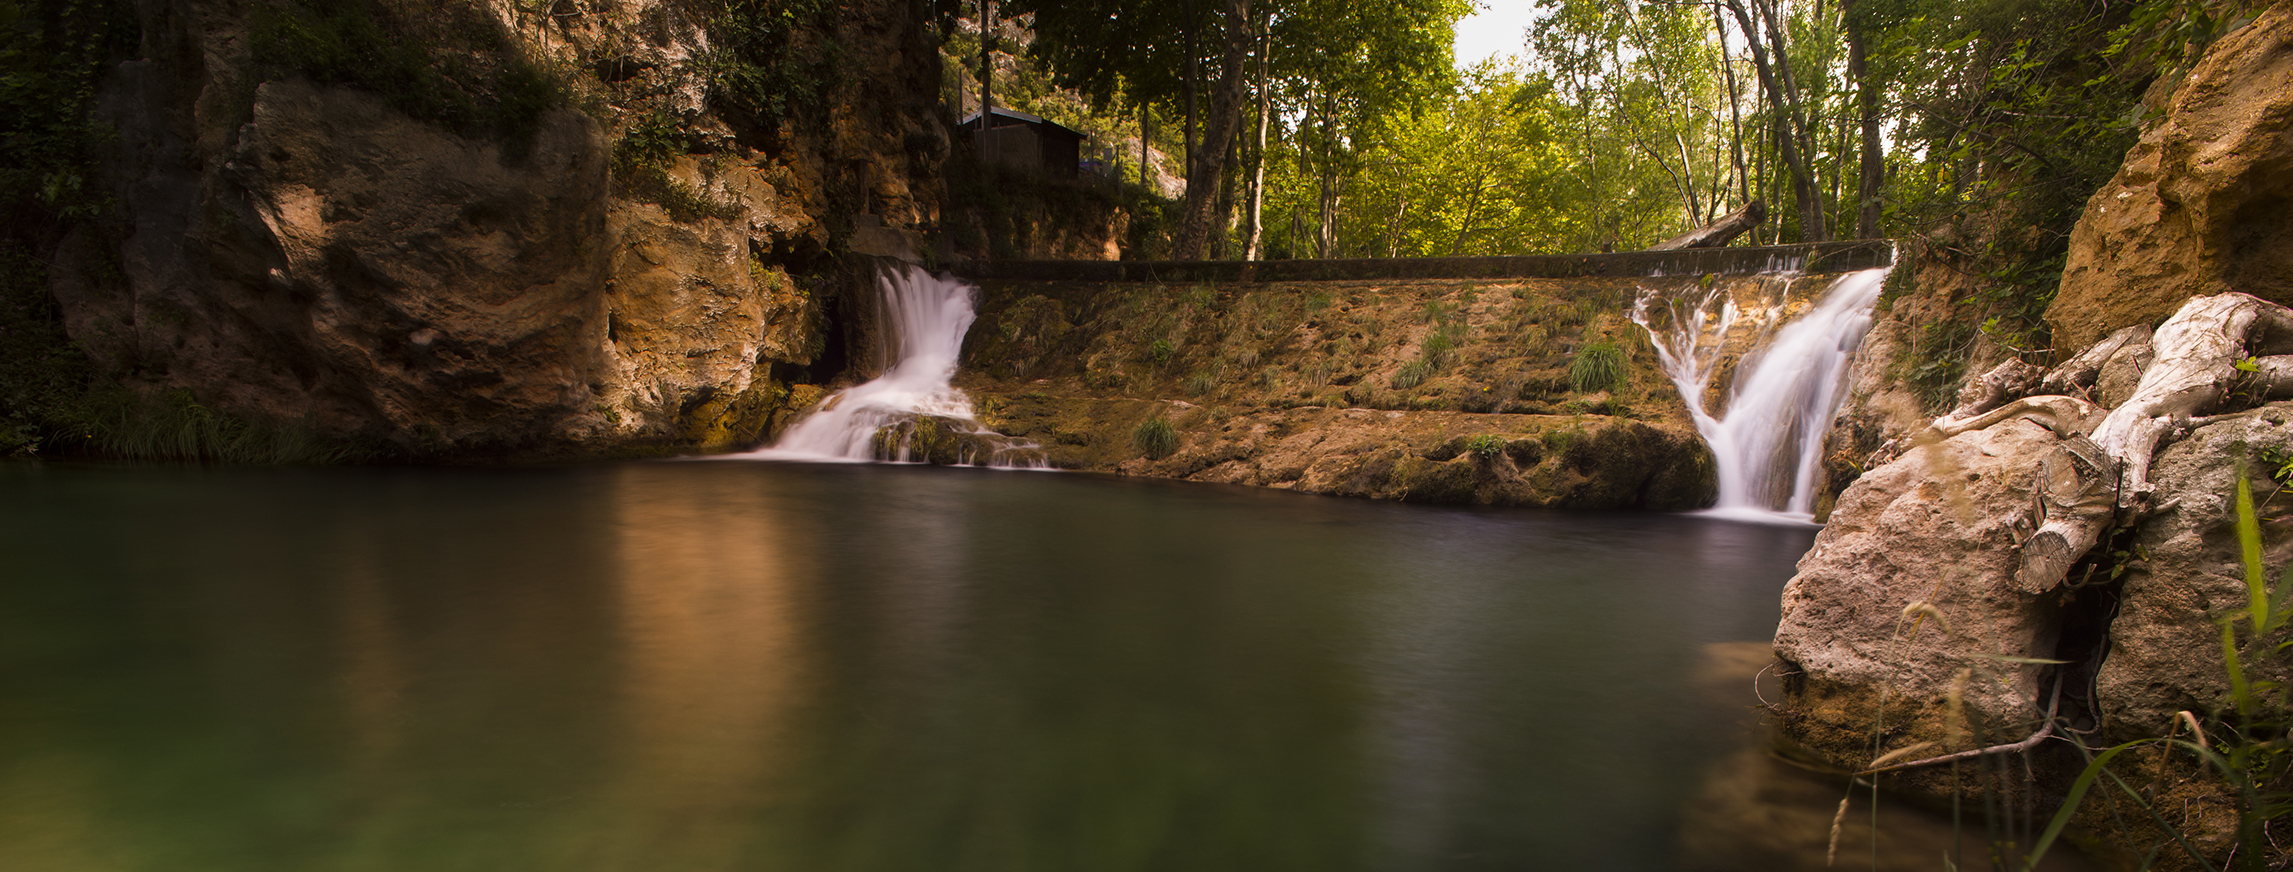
{"x":2165,"y":644}
{"x":1997,"y":386}
{"x":2199,"y":207}
{"x":1936,"y":528}
{"x":303,"y":251}
{"x":1592,"y":462}
{"x":946,"y":441}
{"x":375,"y":271}
{"x":1935,"y":611}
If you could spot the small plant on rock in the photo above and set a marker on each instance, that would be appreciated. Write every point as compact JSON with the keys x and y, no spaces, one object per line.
{"x":1155,"y":437}
{"x":1485,"y":447}
{"x":1411,"y":375}
{"x":1599,"y":366}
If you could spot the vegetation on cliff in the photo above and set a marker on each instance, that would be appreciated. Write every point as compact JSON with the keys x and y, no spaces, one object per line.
{"x":52,"y":57}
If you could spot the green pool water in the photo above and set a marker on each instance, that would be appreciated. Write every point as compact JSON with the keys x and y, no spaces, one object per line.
{"x":760,"y":666}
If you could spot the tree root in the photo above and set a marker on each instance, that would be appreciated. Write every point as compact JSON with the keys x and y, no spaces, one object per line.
{"x":2053,"y":707}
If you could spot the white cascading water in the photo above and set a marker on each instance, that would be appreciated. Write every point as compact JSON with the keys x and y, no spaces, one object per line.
{"x":1769,"y":441}
{"x":927,"y":318}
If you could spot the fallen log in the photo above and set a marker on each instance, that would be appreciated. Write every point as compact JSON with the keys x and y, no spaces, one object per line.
{"x":1719,"y":233}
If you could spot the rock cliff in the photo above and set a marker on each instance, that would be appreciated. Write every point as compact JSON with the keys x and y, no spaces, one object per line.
{"x":505,"y":227}
{"x":2199,"y":206}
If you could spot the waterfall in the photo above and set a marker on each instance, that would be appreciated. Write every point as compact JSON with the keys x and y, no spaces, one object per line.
{"x":925,"y":318}
{"x":1768,"y":443}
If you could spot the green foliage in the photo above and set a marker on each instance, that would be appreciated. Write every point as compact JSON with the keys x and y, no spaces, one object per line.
{"x":2278,"y":463}
{"x":1437,"y":345}
{"x":52,"y":54}
{"x":1411,"y":375}
{"x":1598,"y":366}
{"x":452,"y":65}
{"x":641,"y":161}
{"x":175,"y":426}
{"x":1485,"y":447}
{"x":759,"y":68}
{"x":1155,"y":437}
{"x":42,"y":375}
{"x":1162,"y":351}
{"x":1937,"y":361}
{"x":1200,"y":384}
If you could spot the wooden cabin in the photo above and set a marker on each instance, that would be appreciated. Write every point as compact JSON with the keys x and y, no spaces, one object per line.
{"x":1026,"y":142}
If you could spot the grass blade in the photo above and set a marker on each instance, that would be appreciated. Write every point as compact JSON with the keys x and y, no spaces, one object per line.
{"x":2249,"y":541}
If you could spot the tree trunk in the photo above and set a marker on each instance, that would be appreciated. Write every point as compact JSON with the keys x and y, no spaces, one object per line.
{"x":1735,"y":110}
{"x":1218,"y":136}
{"x":1258,"y":150}
{"x":1143,"y":146}
{"x":1791,"y":127}
{"x":1872,"y":164}
{"x":986,"y":62}
{"x":1193,"y":74}
{"x":1719,"y":233}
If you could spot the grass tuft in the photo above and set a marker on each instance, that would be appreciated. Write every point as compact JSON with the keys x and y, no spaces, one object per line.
{"x":1598,"y":366}
{"x":1155,"y":437}
{"x":175,"y":426}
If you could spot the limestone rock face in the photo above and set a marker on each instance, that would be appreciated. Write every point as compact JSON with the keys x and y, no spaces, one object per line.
{"x":303,"y":251}
{"x":1938,"y":526}
{"x":1914,"y":618}
{"x":2200,"y":206}
{"x":2165,"y":642}
{"x":1553,"y":461}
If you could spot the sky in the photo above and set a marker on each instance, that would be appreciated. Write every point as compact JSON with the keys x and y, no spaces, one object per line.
{"x":1496,"y":29}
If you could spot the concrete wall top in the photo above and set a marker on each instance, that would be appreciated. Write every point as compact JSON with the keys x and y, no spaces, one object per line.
{"x":1818,"y":257}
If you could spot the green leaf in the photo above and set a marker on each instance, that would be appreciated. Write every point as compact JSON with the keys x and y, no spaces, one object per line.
{"x":2249,"y":542}
{"x":2239,"y":691}
{"x":2071,"y":800}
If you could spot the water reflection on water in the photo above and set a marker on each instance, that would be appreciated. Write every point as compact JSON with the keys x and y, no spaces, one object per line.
{"x":760,"y":666}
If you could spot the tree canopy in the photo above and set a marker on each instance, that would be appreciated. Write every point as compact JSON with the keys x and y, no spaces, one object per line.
{"x":1628,"y":121}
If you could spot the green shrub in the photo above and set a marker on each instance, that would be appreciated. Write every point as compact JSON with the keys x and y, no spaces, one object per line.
{"x":1199,"y":384}
{"x":1411,"y":374}
{"x":176,"y":426}
{"x":757,"y":66}
{"x":1598,"y":366}
{"x":1437,"y":345}
{"x":1485,"y":447}
{"x":42,"y":374}
{"x":1155,"y":437}
{"x":454,"y":68}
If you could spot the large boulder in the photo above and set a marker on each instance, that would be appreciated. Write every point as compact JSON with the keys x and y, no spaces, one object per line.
{"x":2187,"y":573}
{"x":2200,"y":205}
{"x":1909,"y":598}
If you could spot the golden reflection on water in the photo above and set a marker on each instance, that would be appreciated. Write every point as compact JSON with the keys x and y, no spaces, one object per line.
{"x":711,"y":669}
{"x":49,"y":818}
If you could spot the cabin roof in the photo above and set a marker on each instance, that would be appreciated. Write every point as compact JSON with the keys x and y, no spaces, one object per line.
{"x":972,"y":120}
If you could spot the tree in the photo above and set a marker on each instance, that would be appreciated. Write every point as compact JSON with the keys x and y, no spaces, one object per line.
{"x":1339,"y":65}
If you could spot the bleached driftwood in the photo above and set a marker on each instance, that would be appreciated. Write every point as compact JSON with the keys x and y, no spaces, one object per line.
{"x":2063,"y":415}
{"x":2080,"y":372}
{"x":2198,"y":350}
{"x":2215,"y":349}
{"x":1719,"y":233}
{"x":2080,"y":490}
{"x":1992,"y":389}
